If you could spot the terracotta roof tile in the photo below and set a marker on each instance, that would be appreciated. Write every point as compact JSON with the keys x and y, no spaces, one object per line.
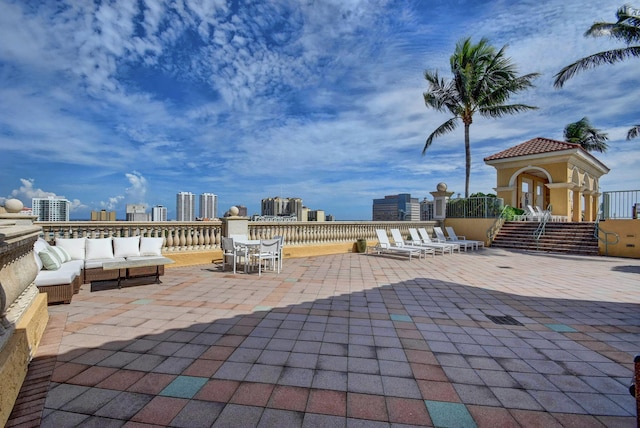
{"x":533,"y":147}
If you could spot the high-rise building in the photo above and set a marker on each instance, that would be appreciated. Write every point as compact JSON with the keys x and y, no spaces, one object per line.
{"x":103,"y":215}
{"x":53,"y":208}
{"x":208,"y":206}
{"x":159,"y":213}
{"x":137,"y":212}
{"x":242,"y":210}
{"x":282,"y":207}
{"x":185,"y":206}
{"x":396,"y":207}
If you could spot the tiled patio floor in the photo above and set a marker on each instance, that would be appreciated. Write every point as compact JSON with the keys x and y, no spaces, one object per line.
{"x":349,"y":340}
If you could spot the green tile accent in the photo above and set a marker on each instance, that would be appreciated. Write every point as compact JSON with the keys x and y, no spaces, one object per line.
{"x":262,"y":308}
{"x":397,"y":317}
{"x":561,"y":328}
{"x":451,"y":415}
{"x":184,"y":386}
{"x":291,"y":280}
{"x":142,"y":301}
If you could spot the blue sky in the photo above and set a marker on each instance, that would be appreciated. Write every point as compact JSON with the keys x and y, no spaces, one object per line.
{"x":115,"y":102}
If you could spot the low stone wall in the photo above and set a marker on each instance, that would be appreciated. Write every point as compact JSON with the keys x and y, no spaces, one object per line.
{"x":628,"y":231}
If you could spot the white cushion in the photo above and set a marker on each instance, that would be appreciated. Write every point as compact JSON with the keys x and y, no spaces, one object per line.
{"x":74,"y":246}
{"x":151,"y":246}
{"x":55,"y":277}
{"x":126,"y":247}
{"x":40,"y":245}
{"x":38,"y":260}
{"x":101,"y":248}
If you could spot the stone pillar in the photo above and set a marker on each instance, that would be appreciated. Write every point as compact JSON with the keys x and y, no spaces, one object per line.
{"x":23,"y":311}
{"x":588,"y":206}
{"x":559,"y":198}
{"x":440,"y":198}
{"x":234,"y":224}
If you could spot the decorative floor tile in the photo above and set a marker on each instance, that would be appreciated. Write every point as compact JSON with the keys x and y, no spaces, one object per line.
{"x":561,"y":328}
{"x":184,"y":387}
{"x":449,"y":414}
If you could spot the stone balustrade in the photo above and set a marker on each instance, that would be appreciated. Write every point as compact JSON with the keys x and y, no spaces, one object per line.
{"x":203,"y":236}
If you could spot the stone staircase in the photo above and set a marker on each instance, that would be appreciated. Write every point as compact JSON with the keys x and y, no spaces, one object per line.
{"x":567,"y":238}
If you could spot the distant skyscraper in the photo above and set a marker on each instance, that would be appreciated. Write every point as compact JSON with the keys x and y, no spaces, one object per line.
{"x":103,"y":215}
{"x":282,"y":207}
{"x":208,"y":206}
{"x":52,"y":208}
{"x":186,"y":206}
{"x":396,"y":207}
{"x":137,"y":212}
{"x":159,"y":213}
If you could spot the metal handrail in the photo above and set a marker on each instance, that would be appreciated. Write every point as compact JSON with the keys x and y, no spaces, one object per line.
{"x":497,"y":224}
{"x":596,"y":234}
{"x":541,"y":228}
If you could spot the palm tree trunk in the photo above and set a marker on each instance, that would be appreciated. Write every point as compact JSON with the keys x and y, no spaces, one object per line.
{"x":467,"y":152}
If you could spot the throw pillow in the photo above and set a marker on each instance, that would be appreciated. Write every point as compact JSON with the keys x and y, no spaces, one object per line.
{"x":49,"y":260}
{"x":62,"y":254}
{"x":126,"y":247}
{"x":151,"y":246}
{"x":74,"y":246}
{"x":100,"y":248}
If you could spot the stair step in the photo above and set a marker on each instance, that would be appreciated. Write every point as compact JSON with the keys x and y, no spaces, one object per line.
{"x":566,"y":238}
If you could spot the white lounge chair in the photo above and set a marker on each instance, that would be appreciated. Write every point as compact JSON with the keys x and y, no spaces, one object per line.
{"x":399,"y":242}
{"x":416,"y":240}
{"x":441,"y":237}
{"x":384,"y":246}
{"x":456,"y":238}
{"x":427,"y":239}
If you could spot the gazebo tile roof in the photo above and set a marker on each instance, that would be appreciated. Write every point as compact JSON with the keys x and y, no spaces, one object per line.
{"x":534,"y":146}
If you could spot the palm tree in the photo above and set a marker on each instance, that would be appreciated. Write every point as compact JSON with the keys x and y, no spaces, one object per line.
{"x":627,"y":29}
{"x":483,"y":80}
{"x":583,"y":133}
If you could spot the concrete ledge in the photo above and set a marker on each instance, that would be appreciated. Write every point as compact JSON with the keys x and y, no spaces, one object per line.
{"x":16,"y":355}
{"x":215,"y":256}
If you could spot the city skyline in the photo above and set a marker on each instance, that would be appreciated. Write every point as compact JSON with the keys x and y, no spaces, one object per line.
{"x":110,"y":104}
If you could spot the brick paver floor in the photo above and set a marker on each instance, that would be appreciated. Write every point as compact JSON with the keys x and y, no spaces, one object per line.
{"x":487,"y":338}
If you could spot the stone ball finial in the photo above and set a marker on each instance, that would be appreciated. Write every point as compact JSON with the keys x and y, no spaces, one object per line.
{"x":13,"y":206}
{"x":234,"y":211}
{"x":441,"y":187}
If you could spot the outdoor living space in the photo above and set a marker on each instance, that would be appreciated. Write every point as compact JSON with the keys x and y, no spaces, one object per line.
{"x":483,"y":338}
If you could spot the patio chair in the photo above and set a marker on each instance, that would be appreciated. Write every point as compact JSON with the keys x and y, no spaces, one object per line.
{"x":456,"y":238}
{"x":416,"y":240}
{"x":399,"y":242}
{"x":532,"y":214}
{"x":440,"y":237}
{"x":281,"y":238}
{"x":229,"y":249}
{"x":384,"y":246}
{"x":427,"y":239}
{"x":269,"y":250}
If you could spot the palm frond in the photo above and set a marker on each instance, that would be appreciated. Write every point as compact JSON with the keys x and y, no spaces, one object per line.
{"x":610,"y":57}
{"x":495,"y":111}
{"x":633,"y":132}
{"x":445,"y":128}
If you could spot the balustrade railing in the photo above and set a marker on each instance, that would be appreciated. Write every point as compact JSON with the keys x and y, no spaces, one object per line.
{"x":179,"y":236}
{"x":202,"y":236}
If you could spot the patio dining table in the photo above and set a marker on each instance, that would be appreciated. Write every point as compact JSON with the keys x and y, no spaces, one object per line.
{"x":246,"y":248}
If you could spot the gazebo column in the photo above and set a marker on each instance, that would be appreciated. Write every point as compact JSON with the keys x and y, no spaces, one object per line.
{"x":588,"y":206}
{"x":577,"y":203}
{"x":559,"y":198}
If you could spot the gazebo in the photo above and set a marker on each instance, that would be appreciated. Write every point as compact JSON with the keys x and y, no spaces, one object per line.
{"x":544,"y":172}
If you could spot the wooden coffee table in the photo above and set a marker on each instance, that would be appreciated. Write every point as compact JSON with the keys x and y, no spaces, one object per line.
{"x":130,"y":264}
